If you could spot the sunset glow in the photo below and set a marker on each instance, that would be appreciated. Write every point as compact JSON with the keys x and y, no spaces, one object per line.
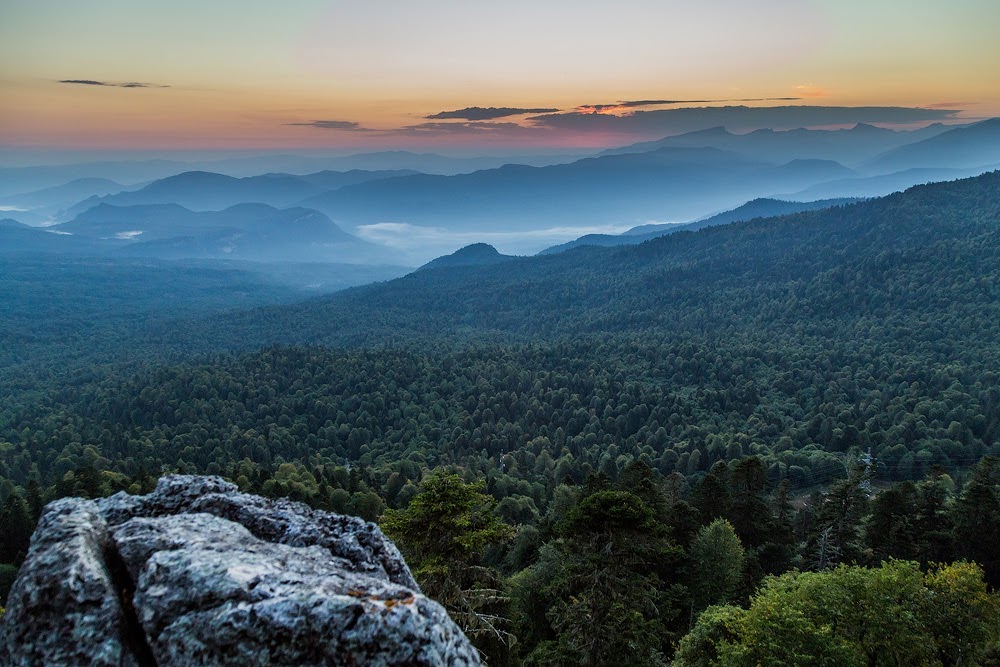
{"x":354,"y":75}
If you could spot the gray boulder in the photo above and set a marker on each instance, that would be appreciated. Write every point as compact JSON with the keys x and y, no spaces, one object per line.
{"x":197,"y":573}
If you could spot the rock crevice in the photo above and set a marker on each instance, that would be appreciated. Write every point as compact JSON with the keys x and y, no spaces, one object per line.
{"x":133,"y":634}
{"x":197,"y":573}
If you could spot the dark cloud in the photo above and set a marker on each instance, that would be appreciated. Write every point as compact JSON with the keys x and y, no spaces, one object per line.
{"x":631,"y":104}
{"x":470,"y":128}
{"x":664,"y":122}
{"x":950,"y":105}
{"x":112,"y":84}
{"x":343,"y":125}
{"x":485,"y":113}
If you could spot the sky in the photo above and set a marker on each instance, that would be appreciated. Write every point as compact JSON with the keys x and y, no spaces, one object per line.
{"x":463,"y":75}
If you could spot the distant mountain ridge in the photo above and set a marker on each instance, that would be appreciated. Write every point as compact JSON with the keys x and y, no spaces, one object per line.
{"x":880,"y":186}
{"x":966,"y":147}
{"x":849,"y":146}
{"x":52,"y":200}
{"x":860,"y":261}
{"x":669,"y":183}
{"x":209,"y":191}
{"x":14,"y":180}
{"x":757,"y":208}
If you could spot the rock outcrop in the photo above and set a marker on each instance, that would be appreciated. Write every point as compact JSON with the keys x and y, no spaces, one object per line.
{"x":197,"y":573}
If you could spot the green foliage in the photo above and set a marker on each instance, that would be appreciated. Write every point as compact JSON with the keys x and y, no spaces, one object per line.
{"x":716,"y":630}
{"x":612,"y":404}
{"x":604,"y":589}
{"x":448,"y":521}
{"x":17,"y":525}
{"x":977,"y":517}
{"x":717,"y":564}
{"x":7,"y":574}
{"x":443,"y":533}
{"x":885,"y":616}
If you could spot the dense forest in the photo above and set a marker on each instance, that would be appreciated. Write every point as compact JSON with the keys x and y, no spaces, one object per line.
{"x":723,"y":425}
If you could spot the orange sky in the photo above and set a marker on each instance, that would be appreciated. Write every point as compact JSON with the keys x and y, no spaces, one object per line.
{"x":250,"y":74}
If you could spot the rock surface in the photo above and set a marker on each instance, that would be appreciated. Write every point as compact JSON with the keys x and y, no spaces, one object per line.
{"x":197,"y":573}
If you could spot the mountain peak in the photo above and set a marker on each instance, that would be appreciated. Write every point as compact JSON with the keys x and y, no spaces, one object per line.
{"x":196,"y":176}
{"x":717,"y":131}
{"x":866,"y":128}
{"x":477,"y":254}
{"x":477,"y":249}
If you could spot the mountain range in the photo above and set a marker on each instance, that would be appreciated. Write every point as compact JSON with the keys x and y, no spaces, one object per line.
{"x":50,"y":201}
{"x":852,"y":147}
{"x":666,"y":184}
{"x":245,"y":231}
{"x":15,"y":180}
{"x":863,"y":260}
{"x":418,"y":215}
{"x":968,"y":147}
{"x":208,"y":191}
{"x":879,"y":186}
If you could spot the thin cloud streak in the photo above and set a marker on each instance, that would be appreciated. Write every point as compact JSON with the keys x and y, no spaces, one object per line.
{"x":665,"y":122}
{"x":341,"y":125}
{"x":112,"y":84}
{"x":590,"y":129}
{"x":632,"y":104}
{"x":485,"y":113}
{"x":468,"y":128}
{"x":951,"y":105}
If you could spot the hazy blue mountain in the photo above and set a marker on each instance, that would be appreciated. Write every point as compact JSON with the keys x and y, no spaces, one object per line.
{"x":427,"y":163}
{"x":668,"y":184}
{"x":477,"y":254}
{"x":849,"y":146}
{"x":758,"y":208}
{"x":21,"y":238}
{"x":16,"y":180}
{"x":54,"y":199}
{"x":31,"y":218}
{"x":766,"y":208}
{"x":642,"y":230}
{"x":207,"y":191}
{"x":917,"y":249}
{"x":246,"y":231}
{"x":879,"y":186}
{"x":331,"y":180}
{"x":962,"y":148}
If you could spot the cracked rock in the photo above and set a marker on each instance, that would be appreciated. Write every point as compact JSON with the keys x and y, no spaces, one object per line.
{"x":196,"y":573}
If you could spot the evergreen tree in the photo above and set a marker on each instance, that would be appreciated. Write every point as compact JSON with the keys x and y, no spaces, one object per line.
{"x":977,"y":519}
{"x":716,"y":565}
{"x":608,"y":598}
{"x":443,"y":533}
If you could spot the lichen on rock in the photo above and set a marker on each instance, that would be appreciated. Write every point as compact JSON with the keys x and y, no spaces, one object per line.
{"x":197,"y":573}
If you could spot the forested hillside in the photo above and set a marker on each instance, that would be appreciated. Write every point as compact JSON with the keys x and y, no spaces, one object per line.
{"x":799,"y":338}
{"x":928,"y":253}
{"x":770,"y":374}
